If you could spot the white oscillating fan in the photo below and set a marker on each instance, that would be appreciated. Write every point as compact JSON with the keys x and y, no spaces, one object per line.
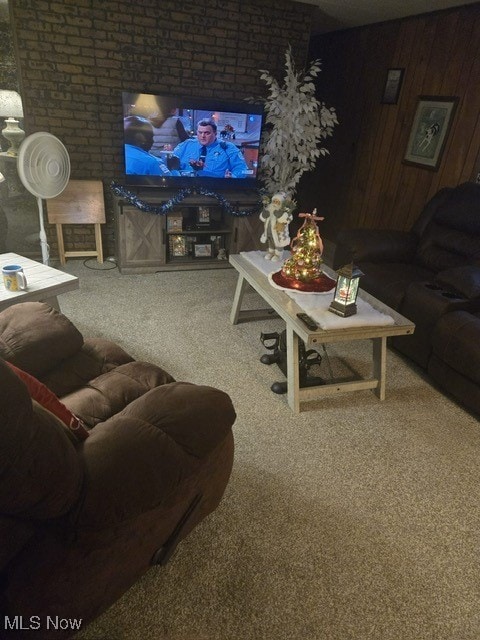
{"x":44,"y":168}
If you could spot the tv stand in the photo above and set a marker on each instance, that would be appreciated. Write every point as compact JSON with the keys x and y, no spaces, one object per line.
{"x":196,"y":233}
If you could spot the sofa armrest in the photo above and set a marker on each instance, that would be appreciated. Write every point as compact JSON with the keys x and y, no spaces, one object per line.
{"x":36,"y":338}
{"x":41,"y":474}
{"x":138,"y":458}
{"x":462,"y":280}
{"x":374,"y":245}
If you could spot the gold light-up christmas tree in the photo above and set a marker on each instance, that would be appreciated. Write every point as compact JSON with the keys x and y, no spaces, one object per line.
{"x":305,"y":263}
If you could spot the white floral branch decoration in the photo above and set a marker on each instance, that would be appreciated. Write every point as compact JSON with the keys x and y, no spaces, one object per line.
{"x":298,"y":125}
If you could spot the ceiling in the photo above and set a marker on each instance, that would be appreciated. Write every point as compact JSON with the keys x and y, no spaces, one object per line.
{"x":331,"y":15}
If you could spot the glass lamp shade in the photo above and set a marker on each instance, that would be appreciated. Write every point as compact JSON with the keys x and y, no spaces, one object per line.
{"x":344,"y":301}
{"x":11,"y":108}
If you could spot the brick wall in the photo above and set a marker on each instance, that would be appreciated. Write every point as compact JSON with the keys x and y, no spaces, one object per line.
{"x":75,"y":57}
{"x":8,"y":68}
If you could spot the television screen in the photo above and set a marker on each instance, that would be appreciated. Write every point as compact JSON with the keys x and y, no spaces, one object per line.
{"x":178,"y":142}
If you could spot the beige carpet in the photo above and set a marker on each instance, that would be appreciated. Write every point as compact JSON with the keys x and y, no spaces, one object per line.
{"x":358,"y":520}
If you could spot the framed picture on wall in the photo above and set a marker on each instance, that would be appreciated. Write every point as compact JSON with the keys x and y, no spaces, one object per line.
{"x":431,"y":124}
{"x":393,"y":84}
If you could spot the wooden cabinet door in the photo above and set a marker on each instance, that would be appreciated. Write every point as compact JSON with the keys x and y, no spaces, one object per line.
{"x":246,"y":234}
{"x":140,"y":240}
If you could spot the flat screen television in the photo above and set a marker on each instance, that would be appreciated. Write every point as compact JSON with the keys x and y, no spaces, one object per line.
{"x":178,"y":142}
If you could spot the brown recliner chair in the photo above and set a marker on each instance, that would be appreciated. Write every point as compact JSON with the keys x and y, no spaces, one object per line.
{"x":82,"y":519}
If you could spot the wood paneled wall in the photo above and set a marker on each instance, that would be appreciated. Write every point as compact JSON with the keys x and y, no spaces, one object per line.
{"x":364,"y":182}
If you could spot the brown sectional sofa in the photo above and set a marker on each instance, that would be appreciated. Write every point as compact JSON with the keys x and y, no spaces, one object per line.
{"x":431,"y":275}
{"x":82,"y":520}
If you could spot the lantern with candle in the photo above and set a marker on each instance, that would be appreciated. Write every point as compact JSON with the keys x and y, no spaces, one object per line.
{"x":344,"y":301}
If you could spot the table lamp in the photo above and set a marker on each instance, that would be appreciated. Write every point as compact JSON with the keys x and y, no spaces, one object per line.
{"x":11,"y":108}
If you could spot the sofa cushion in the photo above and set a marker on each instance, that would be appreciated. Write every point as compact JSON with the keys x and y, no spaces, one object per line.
{"x":111,"y":392}
{"x":446,"y":248}
{"x":49,"y":401}
{"x":97,"y":356}
{"x":452,"y":237}
{"x":36,"y":337}
{"x":460,"y":210}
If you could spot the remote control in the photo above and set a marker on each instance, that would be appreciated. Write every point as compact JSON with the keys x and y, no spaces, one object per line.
{"x":308,"y":321}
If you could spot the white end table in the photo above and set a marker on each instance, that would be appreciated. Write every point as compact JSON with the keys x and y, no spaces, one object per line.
{"x":44,"y":283}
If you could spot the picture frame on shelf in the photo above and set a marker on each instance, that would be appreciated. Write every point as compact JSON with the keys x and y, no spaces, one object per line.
{"x":430,"y":128}
{"x":393,"y":85}
{"x":178,"y":247}
{"x":203,"y":216}
{"x":202,"y":250}
{"x":174,"y":222}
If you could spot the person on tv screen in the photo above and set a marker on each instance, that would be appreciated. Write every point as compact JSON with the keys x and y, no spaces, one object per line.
{"x":138,"y":137}
{"x":168,"y":131}
{"x":205,"y":156}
